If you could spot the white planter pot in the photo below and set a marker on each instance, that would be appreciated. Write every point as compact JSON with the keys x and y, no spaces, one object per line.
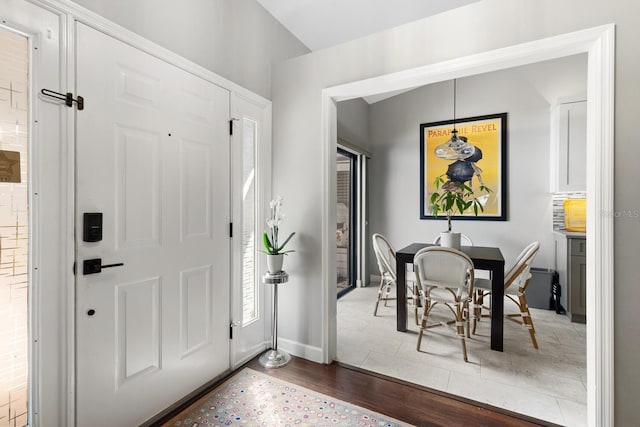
{"x":274,"y":263}
{"x":449,"y":239}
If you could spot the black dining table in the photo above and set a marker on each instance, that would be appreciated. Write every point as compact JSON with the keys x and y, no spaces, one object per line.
{"x":484,"y":258}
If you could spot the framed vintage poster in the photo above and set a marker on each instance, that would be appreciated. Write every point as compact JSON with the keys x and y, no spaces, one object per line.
{"x":486,"y":137}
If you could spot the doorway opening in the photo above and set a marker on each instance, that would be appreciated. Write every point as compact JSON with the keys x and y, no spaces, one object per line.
{"x":14,"y":229}
{"x":599,"y":44}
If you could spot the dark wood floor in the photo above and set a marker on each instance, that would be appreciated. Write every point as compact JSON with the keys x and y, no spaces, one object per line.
{"x":392,"y":397}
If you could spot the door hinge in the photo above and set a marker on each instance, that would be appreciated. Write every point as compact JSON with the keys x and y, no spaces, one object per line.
{"x":231,"y":120}
{"x":231,"y":326}
{"x":230,"y":229}
{"x":66,"y":97}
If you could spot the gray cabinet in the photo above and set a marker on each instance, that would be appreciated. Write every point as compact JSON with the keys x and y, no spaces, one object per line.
{"x":577,"y":280}
{"x":571,"y":264}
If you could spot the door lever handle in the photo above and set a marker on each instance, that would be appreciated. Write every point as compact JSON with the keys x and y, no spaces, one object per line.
{"x":93,"y":266}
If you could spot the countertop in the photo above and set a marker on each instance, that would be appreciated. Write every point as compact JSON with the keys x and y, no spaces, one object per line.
{"x":570,"y":234}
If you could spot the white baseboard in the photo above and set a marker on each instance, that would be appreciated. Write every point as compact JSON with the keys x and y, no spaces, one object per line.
{"x":304,"y":351}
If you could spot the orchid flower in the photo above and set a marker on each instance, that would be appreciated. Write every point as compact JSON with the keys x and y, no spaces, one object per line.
{"x":270,"y":237}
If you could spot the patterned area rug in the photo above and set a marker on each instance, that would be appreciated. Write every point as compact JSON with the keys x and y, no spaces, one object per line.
{"x":251,"y":398}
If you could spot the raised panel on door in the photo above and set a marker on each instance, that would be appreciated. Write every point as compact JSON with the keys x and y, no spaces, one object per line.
{"x":138,"y":326}
{"x":195,"y":309}
{"x":138,"y":190}
{"x":152,"y":156}
{"x":195,"y":190}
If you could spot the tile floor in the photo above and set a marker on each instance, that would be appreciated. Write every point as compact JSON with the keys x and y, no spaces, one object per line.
{"x":548,"y":383}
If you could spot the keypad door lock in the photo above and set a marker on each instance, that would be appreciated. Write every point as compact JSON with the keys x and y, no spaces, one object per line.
{"x":93,"y":266}
{"x":92,"y":227}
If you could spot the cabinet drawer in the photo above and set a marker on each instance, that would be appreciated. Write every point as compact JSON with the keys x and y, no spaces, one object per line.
{"x":578,"y":247}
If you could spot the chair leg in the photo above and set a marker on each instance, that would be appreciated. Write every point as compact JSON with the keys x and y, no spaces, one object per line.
{"x":460,"y":330}
{"x":426,"y":306}
{"x":387,"y":291}
{"x":478,"y":299}
{"x":423,"y":326}
{"x":416,"y":303}
{"x":380,"y":290}
{"x":526,"y":318}
{"x":467,"y":314}
{"x":464,"y":348}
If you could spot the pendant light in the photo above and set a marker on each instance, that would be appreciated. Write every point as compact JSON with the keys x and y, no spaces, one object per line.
{"x":457,"y":147}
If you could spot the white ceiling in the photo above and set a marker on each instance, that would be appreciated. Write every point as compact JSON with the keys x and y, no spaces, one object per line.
{"x":324,"y":23}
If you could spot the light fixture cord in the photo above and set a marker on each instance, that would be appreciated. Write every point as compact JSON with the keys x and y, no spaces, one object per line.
{"x":454,"y":105}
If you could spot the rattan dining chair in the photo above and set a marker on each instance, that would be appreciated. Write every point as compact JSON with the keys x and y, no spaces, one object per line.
{"x":445,"y":276}
{"x":466,"y":241}
{"x":516,"y":281}
{"x":386,"y":259}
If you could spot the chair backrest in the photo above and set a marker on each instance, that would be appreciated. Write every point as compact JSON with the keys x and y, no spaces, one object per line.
{"x":464,"y":240}
{"x":435,"y":265}
{"x":519,"y":274}
{"x":385,"y":255}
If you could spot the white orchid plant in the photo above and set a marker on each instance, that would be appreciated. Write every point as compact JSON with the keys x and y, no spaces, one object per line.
{"x":270,"y":238}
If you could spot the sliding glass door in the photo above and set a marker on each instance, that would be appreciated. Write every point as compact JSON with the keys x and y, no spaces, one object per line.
{"x":346,"y":227}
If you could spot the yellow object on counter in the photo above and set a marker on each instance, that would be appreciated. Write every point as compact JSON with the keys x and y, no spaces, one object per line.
{"x":575,"y":215}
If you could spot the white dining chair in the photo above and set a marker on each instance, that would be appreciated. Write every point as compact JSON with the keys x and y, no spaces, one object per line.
{"x":445,"y":276}
{"x":516,"y":281}
{"x":386,"y":259}
{"x":466,"y":241}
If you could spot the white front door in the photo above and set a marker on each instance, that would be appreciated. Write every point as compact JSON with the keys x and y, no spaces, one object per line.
{"x":152,"y":156}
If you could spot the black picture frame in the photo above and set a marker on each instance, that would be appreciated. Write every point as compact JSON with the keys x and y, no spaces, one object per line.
{"x":487,"y":132}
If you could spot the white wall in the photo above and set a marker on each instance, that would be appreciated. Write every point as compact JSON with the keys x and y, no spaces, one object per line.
{"x":490,"y":24}
{"x":395,"y":164}
{"x":353,"y":123}
{"x":237,"y":39}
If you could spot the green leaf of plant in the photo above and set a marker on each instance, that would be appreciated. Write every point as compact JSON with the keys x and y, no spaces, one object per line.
{"x":449,"y":203}
{"x":439,"y":181}
{"x":267,"y":243}
{"x":486,"y":189}
{"x":285,"y":242}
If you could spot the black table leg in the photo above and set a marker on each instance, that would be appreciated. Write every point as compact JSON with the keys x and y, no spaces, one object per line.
{"x":401,"y":292}
{"x":497,"y":308}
